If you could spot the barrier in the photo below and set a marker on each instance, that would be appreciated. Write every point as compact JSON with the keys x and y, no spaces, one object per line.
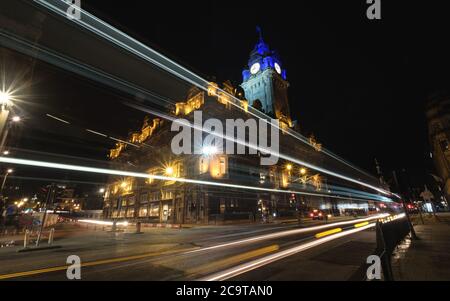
{"x":389,"y":233}
{"x":51,"y":235}
{"x":26,"y":239}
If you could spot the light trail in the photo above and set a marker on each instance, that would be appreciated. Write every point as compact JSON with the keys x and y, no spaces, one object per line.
{"x":123,"y":141}
{"x":148,"y":176}
{"x":119,"y":38}
{"x":96,"y":133}
{"x":56,"y":118}
{"x":257,"y":263}
{"x":256,"y":147}
{"x":289,"y":232}
{"x":104,"y":223}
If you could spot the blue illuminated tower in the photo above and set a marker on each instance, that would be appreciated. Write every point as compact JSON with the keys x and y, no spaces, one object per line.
{"x":265,"y":81}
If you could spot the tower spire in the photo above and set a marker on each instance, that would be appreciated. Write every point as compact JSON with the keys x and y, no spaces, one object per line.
{"x":259,"y":31}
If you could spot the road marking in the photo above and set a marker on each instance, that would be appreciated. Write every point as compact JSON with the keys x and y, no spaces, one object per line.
{"x":329,"y":232}
{"x":91,"y":263}
{"x":287,"y":233}
{"x":361,"y":224}
{"x":234,"y":259}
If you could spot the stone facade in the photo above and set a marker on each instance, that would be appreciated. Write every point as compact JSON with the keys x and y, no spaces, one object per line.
{"x":438,"y":118}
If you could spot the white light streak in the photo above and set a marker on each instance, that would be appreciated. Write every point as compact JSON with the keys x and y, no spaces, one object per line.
{"x":246,"y":267}
{"x":56,"y":118}
{"x":123,"y":141}
{"x":265,"y":150}
{"x":104,"y":223}
{"x":157,"y":177}
{"x":96,"y":133}
{"x":289,"y":232}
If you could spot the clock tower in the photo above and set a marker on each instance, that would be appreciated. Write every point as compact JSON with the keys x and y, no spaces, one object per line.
{"x":265,"y":81}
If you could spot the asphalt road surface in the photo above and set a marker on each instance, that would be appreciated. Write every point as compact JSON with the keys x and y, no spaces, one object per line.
{"x":333,"y":251}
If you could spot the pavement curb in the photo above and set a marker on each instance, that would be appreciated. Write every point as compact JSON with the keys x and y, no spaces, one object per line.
{"x":38,"y":249}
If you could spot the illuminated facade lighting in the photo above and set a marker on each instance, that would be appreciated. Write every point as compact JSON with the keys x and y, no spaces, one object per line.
{"x":169,"y":170}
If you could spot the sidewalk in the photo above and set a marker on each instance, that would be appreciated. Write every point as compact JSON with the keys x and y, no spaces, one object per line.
{"x":426,"y":259}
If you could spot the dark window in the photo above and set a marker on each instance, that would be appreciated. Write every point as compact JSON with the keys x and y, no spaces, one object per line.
{"x":444,"y":145}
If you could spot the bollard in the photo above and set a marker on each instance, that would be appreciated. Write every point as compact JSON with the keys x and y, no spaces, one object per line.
{"x":50,"y":236}
{"x":26,"y":239}
{"x":138,"y":227}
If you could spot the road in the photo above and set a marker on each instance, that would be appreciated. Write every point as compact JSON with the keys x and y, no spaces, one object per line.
{"x":238,"y":252}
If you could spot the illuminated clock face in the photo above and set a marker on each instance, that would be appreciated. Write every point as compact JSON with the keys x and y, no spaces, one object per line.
{"x":278,"y":68}
{"x":255,"y":68}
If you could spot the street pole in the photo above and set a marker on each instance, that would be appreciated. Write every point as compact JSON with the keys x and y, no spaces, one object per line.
{"x":49,"y":194}
{"x":3,"y":184}
{"x":411,"y":227}
{"x":2,"y":143}
{"x":4,"y":113}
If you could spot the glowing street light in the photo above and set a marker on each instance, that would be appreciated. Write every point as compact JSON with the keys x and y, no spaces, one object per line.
{"x":101,"y":190}
{"x":289,"y":166}
{"x":169,"y":170}
{"x":5,"y":98}
{"x":16,"y":119}
{"x":8,"y":171}
{"x":302,"y":171}
{"x":6,"y":153}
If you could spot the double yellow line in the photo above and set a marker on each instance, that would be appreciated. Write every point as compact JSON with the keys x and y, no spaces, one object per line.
{"x":337,"y":230}
{"x":91,"y":263}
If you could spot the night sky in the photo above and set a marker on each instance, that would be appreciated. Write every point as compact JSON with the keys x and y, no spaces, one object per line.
{"x":359,"y":85}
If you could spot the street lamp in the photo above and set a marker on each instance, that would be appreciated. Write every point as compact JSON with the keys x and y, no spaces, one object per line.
{"x":5,"y":102}
{"x":169,"y":170}
{"x":101,"y":190}
{"x":5,"y":98}
{"x":6,"y":153}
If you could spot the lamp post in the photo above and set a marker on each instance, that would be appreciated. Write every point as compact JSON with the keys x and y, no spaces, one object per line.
{"x":8,"y":171}
{"x":14,"y":119}
{"x":5,"y":101}
{"x":5,"y":104}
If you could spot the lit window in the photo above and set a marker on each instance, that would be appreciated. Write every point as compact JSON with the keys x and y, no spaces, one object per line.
{"x":444,"y":145}
{"x":204,"y":165}
{"x":143,"y":211}
{"x":222,"y":165}
{"x":218,"y":166}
